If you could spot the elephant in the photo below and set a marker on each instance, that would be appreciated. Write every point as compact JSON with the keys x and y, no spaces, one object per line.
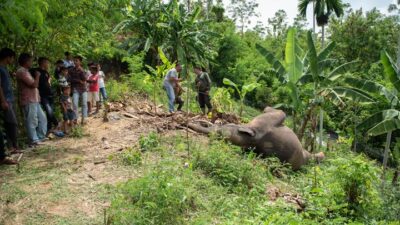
{"x":266,"y":135}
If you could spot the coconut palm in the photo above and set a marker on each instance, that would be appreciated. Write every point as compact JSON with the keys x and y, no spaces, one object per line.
{"x":322,"y":9}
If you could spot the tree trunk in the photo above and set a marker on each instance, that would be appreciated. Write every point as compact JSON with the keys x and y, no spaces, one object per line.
{"x":313,"y":6}
{"x":323,"y":36}
{"x":321,"y":126}
{"x":386,"y":154}
{"x":305,"y":122}
{"x":395,"y":177}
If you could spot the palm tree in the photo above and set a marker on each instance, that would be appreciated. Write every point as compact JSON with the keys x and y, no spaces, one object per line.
{"x":322,"y":9}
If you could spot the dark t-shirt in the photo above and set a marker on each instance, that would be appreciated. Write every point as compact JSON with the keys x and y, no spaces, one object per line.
{"x":77,"y":78}
{"x":203,"y":82}
{"x":6,"y":85}
{"x":44,"y":83}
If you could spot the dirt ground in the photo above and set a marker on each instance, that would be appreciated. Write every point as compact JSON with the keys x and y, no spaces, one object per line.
{"x":67,"y":181}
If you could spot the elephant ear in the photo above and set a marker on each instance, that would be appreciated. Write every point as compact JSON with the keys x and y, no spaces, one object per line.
{"x":247,"y":130}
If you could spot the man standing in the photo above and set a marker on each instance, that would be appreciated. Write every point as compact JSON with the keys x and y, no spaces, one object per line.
{"x":46,"y":92}
{"x":35,"y":119}
{"x":102,"y":84}
{"x":7,"y":57}
{"x":68,"y":61}
{"x":57,"y":70}
{"x":170,"y":81}
{"x":203,"y":85}
{"x":78,"y":80}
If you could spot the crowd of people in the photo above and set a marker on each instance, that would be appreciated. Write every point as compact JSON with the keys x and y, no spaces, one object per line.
{"x":39,"y":97}
{"x":76,"y":92}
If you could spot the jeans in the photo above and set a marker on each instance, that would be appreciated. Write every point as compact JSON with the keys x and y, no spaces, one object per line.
{"x":103,"y":94}
{"x":35,"y":122}
{"x":75,"y":100}
{"x":11,"y":125}
{"x":48,"y":106}
{"x":171,"y":95}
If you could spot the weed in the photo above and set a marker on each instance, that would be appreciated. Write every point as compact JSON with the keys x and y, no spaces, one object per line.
{"x":77,"y":132}
{"x":131,"y":157}
{"x":149,"y":142}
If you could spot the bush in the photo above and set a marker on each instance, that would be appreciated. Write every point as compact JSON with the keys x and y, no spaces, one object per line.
{"x":161,"y":197}
{"x":235,"y":171}
{"x":346,"y":189}
{"x":149,"y":142}
{"x":77,"y":132}
{"x":131,"y":157}
{"x":117,"y":90}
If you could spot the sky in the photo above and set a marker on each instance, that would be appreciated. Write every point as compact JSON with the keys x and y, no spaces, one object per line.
{"x":267,"y":8}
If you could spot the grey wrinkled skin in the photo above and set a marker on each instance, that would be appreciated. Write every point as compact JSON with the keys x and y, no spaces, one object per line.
{"x":267,"y":135}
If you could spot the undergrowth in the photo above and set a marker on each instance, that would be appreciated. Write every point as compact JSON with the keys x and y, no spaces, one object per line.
{"x":219,"y":184}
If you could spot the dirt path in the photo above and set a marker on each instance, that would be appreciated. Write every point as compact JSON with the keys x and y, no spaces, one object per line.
{"x":67,"y":181}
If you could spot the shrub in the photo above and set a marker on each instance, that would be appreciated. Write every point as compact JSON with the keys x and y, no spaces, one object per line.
{"x":117,"y":90}
{"x":149,"y":142}
{"x":131,"y":157}
{"x":235,"y":171}
{"x":77,"y":132}
{"x":161,"y":197}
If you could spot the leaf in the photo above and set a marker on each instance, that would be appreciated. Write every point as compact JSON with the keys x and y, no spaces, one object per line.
{"x":271,"y":59}
{"x":336,"y":73}
{"x":163,"y":57}
{"x":294,"y":65}
{"x":384,"y":127}
{"x":148,"y":43}
{"x":249,"y":88}
{"x":353,"y":94}
{"x":377,"y":118}
{"x":390,"y":70}
{"x":226,"y":81}
{"x":323,"y":55}
{"x":373,"y":87}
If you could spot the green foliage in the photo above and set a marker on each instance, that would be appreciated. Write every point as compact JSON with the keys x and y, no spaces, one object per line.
{"x":222,"y":100}
{"x":227,"y":168}
{"x":150,"y":142}
{"x":246,"y":88}
{"x":346,"y":189}
{"x":160,"y":197}
{"x":77,"y":132}
{"x":117,"y":90}
{"x":131,"y":157}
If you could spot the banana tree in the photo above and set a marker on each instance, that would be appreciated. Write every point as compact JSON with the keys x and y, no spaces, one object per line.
{"x":159,"y":72}
{"x":246,"y":88}
{"x":388,"y":120}
{"x":144,"y":27}
{"x":326,"y":83}
{"x":289,"y":71}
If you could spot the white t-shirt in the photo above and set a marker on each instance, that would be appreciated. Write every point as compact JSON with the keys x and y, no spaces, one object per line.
{"x":172,"y":73}
{"x":101,"y":79}
{"x":68,"y":63}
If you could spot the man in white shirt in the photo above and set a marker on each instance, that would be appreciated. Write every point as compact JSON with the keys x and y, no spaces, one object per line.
{"x":68,"y":61}
{"x":170,"y":82}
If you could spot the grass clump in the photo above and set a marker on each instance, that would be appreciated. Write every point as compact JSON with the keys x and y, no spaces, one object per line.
{"x":149,"y":142}
{"x":131,"y":157}
{"x":161,"y":197}
{"x":77,"y":132}
{"x":230,"y":168}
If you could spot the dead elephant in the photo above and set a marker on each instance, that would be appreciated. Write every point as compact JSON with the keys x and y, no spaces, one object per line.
{"x":267,"y":135}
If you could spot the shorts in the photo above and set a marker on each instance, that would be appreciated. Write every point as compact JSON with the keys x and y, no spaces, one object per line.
{"x":69,"y":115}
{"x":93,"y":97}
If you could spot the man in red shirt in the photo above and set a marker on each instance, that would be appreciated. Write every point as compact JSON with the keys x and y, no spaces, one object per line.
{"x":93,"y":95}
{"x":29,"y":99}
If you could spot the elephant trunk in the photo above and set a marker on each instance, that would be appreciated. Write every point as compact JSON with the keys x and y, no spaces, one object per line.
{"x":201,"y":129}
